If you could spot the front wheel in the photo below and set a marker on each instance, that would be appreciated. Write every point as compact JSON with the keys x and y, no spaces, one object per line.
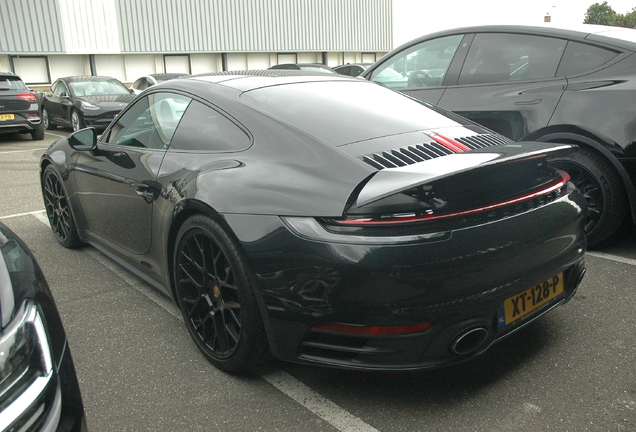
{"x":76,"y":121}
{"x":58,"y":209}
{"x":602,"y":188}
{"x":46,"y":119}
{"x":215,"y":294}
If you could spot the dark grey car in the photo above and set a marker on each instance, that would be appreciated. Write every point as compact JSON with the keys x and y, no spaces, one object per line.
{"x":538,"y":84}
{"x":19,"y":107}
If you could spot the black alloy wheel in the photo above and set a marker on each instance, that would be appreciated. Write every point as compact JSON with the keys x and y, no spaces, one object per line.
{"x":76,"y":121}
{"x":215,"y":294}
{"x":58,"y":209}
{"x":46,"y":120}
{"x":602,"y":188}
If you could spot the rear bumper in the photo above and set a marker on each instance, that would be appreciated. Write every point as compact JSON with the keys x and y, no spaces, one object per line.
{"x":21,"y":124}
{"x":456,"y":284}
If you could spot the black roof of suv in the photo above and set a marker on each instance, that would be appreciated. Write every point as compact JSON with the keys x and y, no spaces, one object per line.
{"x":19,"y":107}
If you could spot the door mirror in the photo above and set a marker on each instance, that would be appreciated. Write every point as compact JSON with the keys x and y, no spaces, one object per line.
{"x":83,"y":140}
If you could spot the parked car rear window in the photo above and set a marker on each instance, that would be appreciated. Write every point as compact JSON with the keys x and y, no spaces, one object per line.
{"x":505,"y":57}
{"x":346,"y":112}
{"x":580,"y":57}
{"x":11,"y":83}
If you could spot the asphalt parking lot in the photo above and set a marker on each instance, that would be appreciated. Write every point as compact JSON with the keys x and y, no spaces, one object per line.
{"x":573,"y":370}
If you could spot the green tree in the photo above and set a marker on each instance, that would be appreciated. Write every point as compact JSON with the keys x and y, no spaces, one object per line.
{"x":600,"y":14}
{"x":628,"y":20}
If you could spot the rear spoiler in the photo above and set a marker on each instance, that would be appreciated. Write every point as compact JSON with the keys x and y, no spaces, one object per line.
{"x":391,"y":181}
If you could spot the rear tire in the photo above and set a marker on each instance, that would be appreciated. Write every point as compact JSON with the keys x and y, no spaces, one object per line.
{"x":602,"y":188}
{"x":37,"y":135}
{"x":215,"y":294}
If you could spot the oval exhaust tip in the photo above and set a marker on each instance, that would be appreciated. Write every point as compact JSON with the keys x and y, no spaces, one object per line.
{"x":469,"y":340}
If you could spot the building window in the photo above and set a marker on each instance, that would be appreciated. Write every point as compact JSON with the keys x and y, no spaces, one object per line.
{"x":32,"y":69}
{"x":368,"y":58}
{"x":287,"y":58}
{"x":177,"y":63}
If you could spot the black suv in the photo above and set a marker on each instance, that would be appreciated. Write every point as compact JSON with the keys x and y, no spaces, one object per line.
{"x":538,"y":84}
{"x":19,"y":107}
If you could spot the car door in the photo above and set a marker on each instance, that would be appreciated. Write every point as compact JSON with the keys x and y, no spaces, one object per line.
{"x":117,"y":184}
{"x":424,"y":69}
{"x":507,"y":82}
{"x":58,"y":103}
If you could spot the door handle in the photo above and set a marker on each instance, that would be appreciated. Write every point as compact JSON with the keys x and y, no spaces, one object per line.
{"x":532,"y":102}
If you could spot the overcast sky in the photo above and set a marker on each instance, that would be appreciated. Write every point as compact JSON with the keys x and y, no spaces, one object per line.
{"x":414,"y":18}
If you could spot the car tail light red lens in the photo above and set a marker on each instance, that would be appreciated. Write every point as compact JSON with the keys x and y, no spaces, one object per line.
{"x":413,"y":218}
{"x":27,"y":96}
{"x":372,"y":330}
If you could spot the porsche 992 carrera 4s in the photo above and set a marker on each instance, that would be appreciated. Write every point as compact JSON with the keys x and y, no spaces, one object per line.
{"x":322,"y":220}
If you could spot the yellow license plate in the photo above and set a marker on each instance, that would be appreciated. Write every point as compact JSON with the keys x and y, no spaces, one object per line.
{"x":522,"y":304}
{"x":7,"y":117}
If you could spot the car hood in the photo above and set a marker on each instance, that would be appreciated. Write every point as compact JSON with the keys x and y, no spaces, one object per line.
{"x":109,"y":101}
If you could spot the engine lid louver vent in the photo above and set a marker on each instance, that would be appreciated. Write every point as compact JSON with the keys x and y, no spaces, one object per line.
{"x":422,"y":152}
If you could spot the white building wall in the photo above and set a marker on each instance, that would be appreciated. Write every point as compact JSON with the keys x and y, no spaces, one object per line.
{"x":139,"y":65}
{"x":203,"y":63}
{"x":5,"y":65}
{"x":89,"y":26}
{"x":69,"y":65}
{"x":110,"y":65}
{"x":258,"y":61}
{"x":236,"y":62}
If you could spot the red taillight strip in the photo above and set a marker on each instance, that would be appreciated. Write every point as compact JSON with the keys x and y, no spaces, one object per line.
{"x":372,"y":330}
{"x":28,"y":96}
{"x":450,"y":143}
{"x":565,"y":178}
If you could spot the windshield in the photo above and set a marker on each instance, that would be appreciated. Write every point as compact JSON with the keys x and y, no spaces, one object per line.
{"x":98,"y":88}
{"x":343,"y":112}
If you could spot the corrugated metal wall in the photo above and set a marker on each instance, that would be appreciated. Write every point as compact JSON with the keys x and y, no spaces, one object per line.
{"x":174,"y":26}
{"x":30,"y":27}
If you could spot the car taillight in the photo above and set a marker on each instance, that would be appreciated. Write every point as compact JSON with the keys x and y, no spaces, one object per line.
{"x":397,"y":219}
{"x":372,"y":330}
{"x":28,"y":96}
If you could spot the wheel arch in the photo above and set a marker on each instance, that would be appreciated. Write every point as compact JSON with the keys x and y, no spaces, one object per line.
{"x":584,"y":138}
{"x":185,"y":210}
{"x":192,"y":207}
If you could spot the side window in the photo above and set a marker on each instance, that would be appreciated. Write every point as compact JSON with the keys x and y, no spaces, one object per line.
{"x":140,"y":84}
{"x":579,"y":58}
{"x":63,"y":89}
{"x":345,"y":70}
{"x":502,"y":57}
{"x":355,"y":71}
{"x":423,"y":65}
{"x":150,"y":122}
{"x":203,"y":128}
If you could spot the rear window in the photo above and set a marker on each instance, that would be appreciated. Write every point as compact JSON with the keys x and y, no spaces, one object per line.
{"x":11,"y":83}
{"x":345,"y":112}
{"x":580,"y":57}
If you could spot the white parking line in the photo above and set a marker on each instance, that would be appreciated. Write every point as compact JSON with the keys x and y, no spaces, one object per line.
{"x":56,"y":135}
{"x":33,"y":213}
{"x":339,"y":418}
{"x":616,"y":258}
{"x":22,"y":151}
